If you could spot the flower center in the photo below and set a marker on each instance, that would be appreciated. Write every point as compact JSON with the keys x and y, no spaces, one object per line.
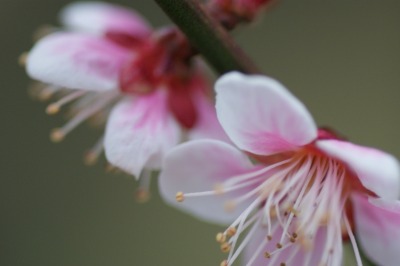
{"x":293,"y":207}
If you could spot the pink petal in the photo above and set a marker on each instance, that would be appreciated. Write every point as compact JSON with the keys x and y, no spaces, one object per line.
{"x":378,"y":228}
{"x":207,"y":125}
{"x":377,"y":170}
{"x":76,"y":61}
{"x":261,"y":116}
{"x":101,"y":17}
{"x":140,"y":132}
{"x":293,"y":255}
{"x":198,"y":166}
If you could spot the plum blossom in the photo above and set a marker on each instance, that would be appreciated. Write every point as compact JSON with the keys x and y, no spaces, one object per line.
{"x":109,"y":65}
{"x":232,"y":12}
{"x":292,"y":194}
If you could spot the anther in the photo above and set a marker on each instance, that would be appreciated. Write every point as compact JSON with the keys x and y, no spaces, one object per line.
{"x":267,"y":255}
{"x":45,"y":94}
{"x":220,"y":237}
{"x":52,"y":109}
{"x":295,"y":235}
{"x":225,"y":247}
{"x":231,"y":231}
{"x":293,"y":210}
{"x":229,"y":206}
{"x":219,"y":189}
{"x":109,"y":168}
{"x":292,"y":239}
{"x":272,"y":212}
{"x":279,"y":245}
{"x":224,"y":263}
{"x":269,"y":237}
{"x":23,"y":58}
{"x":142,"y":195}
{"x":325,"y":218}
{"x":180,"y":197}
{"x":90,"y":158}
{"x":283,"y":264}
{"x":43,"y":31}
{"x":57,"y":135}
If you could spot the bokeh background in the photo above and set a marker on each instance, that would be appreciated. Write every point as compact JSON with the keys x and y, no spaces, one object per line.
{"x":340,"y":57}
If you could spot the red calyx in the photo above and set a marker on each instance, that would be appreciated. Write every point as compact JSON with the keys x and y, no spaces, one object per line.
{"x":142,"y":74}
{"x":124,"y":40}
{"x":181,"y":102}
{"x":329,"y":133}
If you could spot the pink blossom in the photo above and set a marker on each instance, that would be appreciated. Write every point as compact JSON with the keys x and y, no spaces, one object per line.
{"x":229,"y":11}
{"x":307,"y":193}
{"x":112,"y":65}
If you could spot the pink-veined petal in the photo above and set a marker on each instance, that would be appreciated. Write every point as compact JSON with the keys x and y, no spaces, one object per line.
{"x":101,"y":17}
{"x":261,"y":116}
{"x":198,"y":166}
{"x":140,"y":132}
{"x":378,"y":229}
{"x":377,"y":170}
{"x":296,"y":254}
{"x":207,"y":125}
{"x":76,"y":61}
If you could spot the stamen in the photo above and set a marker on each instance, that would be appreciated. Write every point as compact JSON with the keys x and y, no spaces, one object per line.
{"x":43,"y":31}
{"x":59,"y":133}
{"x":353,"y":241}
{"x":221,"y":238}
{"x":225,"y":247}
{"x":142,"y":194}
{"x":231,"y":231}
{"x":257,"y":253}
{"x":219,"y":189}
{"x":300,"y":195}
{"x":93,"y":154}
{"x":179,"y":197}
{"x":54,"y":108}
{"x":239,"y":178}
{"x":241,"y":221}
{"x":41,"y":91}
{"x":245,"y":241}
{"x":23,"y":58}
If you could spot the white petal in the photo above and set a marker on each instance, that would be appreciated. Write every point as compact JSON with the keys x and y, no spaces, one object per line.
{"x":261,"y":116}
{"x":198,"y":166}
{"x":101,"y":17}
{"x":76,"y":61}
{"x":377,"y":170}
{"x":140,"y":132}
{"x":378,"y":228}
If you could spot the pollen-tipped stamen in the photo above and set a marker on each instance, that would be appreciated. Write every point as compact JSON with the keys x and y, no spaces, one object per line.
{"x":60,"y":133}
{"x":180,"y":197}
{"x":91,"y":156}
{"x":142,"y":194}
{"x":55,"y":107}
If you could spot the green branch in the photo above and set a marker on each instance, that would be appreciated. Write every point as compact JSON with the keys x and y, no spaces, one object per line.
{"x":208,"y":36}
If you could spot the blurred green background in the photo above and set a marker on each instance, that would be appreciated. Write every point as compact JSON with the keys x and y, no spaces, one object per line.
{"x":340,"y":57}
